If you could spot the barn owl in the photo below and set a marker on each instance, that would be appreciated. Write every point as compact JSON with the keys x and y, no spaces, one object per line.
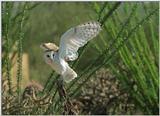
{"x":70,"y":42}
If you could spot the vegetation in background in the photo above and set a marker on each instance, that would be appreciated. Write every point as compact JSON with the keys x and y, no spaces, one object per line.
{"x":127,"y":47}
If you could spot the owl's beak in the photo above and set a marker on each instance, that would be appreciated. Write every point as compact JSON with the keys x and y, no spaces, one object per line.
{"x":49,"y":61}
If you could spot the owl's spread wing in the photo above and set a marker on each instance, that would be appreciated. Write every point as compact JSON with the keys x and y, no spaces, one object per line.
{"x":77,"y":37}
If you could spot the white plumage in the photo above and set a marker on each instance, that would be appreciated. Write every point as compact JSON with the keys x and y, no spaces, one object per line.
{"x":77,"y":37}
{"x":70,"y":42}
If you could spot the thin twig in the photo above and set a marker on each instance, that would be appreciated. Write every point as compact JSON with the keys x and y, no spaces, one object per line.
{"x":110,"y":13}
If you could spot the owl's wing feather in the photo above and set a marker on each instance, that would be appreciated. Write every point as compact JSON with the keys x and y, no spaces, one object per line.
{"x":49,"y":46}
{"x":77,"y":37}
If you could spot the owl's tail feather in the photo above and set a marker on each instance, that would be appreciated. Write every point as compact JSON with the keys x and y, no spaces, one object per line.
{"x":69,"y":75}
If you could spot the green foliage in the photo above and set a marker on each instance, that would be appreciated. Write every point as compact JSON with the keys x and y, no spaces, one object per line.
{"x":14,"y":18}
{"x":6,"y":27}
{"x":138,"y":70}
{"x":127,"y":45}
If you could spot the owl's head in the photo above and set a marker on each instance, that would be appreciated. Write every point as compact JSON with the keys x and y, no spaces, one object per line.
{"x":49,"y":51}
{"x":49,"y":56}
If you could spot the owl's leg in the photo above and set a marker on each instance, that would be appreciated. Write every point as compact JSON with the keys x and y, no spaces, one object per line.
{"x":60,"y":81}
{"x":61,"y":88}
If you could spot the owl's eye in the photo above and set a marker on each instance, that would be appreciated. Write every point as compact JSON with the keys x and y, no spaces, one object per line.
{"x":48,"y":56}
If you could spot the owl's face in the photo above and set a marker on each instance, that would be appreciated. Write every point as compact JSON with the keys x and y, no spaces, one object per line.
{"x":49,"y":57}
